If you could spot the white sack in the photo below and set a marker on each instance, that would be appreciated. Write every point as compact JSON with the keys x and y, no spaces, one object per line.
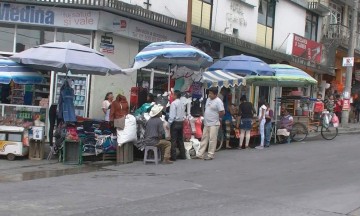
{"x":129,"y":133}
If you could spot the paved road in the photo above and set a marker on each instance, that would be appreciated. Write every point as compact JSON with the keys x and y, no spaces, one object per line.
{"x":311,"y":178}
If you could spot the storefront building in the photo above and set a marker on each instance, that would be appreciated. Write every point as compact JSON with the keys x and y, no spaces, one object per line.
{"x":120,"y":31}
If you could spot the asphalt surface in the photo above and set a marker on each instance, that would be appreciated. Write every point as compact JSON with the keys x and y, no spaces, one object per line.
{"x":316,"y":177}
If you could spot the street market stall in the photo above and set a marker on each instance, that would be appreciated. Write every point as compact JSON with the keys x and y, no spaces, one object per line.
{"x":287,"y":76}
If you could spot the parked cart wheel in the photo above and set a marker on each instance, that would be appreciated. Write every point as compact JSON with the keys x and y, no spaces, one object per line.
{"x":10,"y":157}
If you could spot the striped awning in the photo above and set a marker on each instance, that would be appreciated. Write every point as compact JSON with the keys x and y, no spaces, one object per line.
{"x":222,"y":79}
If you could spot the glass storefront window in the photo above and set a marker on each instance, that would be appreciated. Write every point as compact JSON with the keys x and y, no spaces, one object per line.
{"x":7,"y":34}
{"x":30,"y":36}
{"x":76,"y":36}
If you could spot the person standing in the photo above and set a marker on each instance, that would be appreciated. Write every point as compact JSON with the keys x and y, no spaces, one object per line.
{"x":214,"y":111}
{"x":262,"y":121}
{"x":154,"y":132}
{"x":176,"y":121}
{"x":227,"y":118}
{"x":338,"y":107}
{"x":106,"y":105}
{"x":268,"y":124}
{"x":119,"y":109}
{"x":245,"y":117}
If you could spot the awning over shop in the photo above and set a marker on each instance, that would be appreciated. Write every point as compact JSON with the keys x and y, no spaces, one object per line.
{"x":222,"y":79}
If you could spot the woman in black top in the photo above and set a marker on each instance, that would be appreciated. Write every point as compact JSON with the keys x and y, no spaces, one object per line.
{"x":246,"y":113}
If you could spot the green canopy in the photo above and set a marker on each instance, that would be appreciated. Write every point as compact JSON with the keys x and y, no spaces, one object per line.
{"x":285,"y":76}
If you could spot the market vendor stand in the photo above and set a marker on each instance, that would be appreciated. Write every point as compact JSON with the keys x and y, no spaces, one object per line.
{"x":286,"y":76}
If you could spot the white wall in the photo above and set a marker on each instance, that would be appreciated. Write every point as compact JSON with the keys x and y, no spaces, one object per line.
{"x":124,"y":53}
{"x":229,"y":14}
{"x":173,"y":8}
{"x":290,"y":18}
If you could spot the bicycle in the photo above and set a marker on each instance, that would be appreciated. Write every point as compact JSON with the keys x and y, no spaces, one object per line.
{"x":328,"y":131}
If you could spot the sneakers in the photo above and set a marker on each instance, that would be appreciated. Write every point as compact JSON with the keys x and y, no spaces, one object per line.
{"x":259,"y":147}
{"x":208,"y":158}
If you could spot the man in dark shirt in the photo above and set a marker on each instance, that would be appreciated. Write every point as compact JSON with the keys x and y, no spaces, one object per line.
{"x":155,"y":131}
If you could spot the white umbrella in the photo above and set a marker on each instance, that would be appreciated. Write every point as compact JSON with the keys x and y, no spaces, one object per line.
{"x":67,"y":56}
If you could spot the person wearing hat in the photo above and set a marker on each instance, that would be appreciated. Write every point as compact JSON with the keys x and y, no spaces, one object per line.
{"x":154,"y":133}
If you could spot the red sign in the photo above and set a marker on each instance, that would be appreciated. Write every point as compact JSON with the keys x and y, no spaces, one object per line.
{"x":306,"y":49}
{"x":346,"y":104}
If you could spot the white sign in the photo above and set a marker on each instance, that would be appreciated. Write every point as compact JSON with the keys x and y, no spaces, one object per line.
{"x":49,"y":16}
{"x":136,"y":30}
{"x":348,"y":62}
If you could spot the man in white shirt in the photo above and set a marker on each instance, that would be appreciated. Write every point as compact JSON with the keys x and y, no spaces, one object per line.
{"x":214,"y":110}
{"x":176,"y":121}
{"x":262,"y":121}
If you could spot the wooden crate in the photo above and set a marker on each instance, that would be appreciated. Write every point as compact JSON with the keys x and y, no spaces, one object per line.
{"x":72,"y":152}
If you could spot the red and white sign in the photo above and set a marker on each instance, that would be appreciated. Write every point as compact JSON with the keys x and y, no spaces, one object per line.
{"x":307,"y":49}
{"x":346,"y":104}
{"x":348,"y":62}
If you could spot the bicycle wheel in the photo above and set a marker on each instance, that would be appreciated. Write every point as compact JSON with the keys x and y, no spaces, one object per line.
{"x":330,"y":132}
{"x":220,"y":139}
{"x":298,"y":132}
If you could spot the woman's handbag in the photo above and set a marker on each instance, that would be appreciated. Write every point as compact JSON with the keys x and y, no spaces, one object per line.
{"x":120,"y":123}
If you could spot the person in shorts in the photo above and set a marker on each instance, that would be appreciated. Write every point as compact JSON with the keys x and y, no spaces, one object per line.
{"x":245,"y":118}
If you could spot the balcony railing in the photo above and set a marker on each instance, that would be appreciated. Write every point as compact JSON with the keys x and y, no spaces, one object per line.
{"x":337,"y":31}
{"x":318,"y":7}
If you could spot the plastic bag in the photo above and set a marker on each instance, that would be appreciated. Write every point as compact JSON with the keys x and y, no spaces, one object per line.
{"x":188,"y":146}
{"x":195,"y":145}
{"x":187,"y":129}
{"x":335,"y":120}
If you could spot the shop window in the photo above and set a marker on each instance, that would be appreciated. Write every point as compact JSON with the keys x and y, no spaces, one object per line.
{"x":76,"y":36}
{"x":311,"y":26}
{"x":202,"y":13}
{"x":30,"y":36}
{"x":7,"y":35}
{"x":266,"y":17}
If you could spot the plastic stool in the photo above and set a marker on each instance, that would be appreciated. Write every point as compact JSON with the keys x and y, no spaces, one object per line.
{"x":157,"y":154}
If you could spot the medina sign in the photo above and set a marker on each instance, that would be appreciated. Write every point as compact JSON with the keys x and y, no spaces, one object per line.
{"x":48,"y":16}
{"x":26,"y":14}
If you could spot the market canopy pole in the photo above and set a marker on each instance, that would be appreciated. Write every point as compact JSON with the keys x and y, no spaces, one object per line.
{"x":349,"y":69}
{"x":188,"y":23}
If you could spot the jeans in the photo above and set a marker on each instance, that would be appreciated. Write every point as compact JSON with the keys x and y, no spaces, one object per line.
{"x":262,"y":131}
{"x":177,"y":139}
{"x":268,"y":127}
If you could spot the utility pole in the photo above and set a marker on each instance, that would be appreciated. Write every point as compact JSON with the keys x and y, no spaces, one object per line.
{"x":188,"y":22}
{"x":349,"y":70}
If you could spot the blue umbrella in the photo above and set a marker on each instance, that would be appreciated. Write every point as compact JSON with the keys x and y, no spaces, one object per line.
{"x":164,"y":55}
{"x":242,"y":65}
{"x":20,"y":74}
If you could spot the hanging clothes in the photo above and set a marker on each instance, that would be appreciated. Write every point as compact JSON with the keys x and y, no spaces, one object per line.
{"x":196,"y":90}
{"x":66,"y":108}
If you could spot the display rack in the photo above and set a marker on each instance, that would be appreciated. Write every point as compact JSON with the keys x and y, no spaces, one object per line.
{"x":80,"y":85}
{"x":17,"y":94}
{"x":42,"y":90}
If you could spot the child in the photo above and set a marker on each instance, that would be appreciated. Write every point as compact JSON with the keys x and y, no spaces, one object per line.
{"x":318,"y":107}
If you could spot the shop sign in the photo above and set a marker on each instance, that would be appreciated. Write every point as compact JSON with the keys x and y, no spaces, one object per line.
{"x":106,"y":39}
{"x":136,"y":30}
{"x":49,"y":16}
{"x":348,"y":62}
{"x":107,"y":48}
{"x":346,"y":104}
{"x":307,"y":49}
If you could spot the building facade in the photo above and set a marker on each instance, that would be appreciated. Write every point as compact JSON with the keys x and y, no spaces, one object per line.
{"x":220,"y":28}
